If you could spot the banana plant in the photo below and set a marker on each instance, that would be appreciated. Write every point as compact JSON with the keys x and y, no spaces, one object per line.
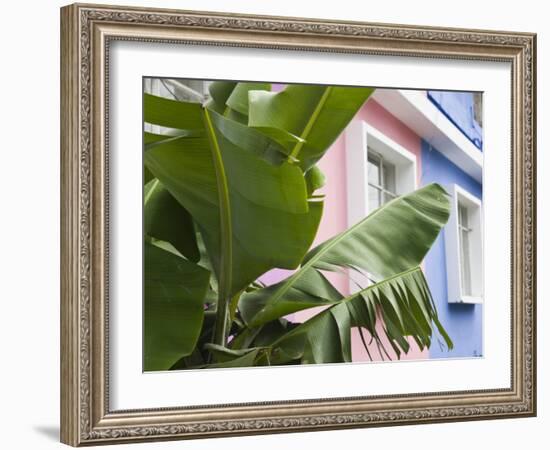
{"x":229,"y":194}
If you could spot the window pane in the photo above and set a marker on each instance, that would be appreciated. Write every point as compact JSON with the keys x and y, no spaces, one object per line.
{"x":373,"y":170}
{"x":463,"y":216}
{"x":374,"y":198}
{"x":465,"y":262}
{"x":388,"y":196}
{"x":389,"y":177}
{"x":466,"y":274}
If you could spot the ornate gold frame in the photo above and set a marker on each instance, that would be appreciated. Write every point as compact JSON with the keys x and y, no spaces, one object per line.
{"x":86,"y":31}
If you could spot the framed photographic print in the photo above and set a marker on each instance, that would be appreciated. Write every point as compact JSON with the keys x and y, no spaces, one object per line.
{"x":275,"y":224}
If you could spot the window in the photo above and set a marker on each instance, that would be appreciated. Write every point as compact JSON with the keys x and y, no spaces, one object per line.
{"x":378,"y":169}
{"x":464,"y":248}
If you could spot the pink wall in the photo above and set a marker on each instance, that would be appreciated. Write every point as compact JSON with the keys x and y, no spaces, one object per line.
{"x":334,"y":218}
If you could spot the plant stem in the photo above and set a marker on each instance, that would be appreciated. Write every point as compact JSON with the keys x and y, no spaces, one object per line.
{"x":220,"y":326}
{"x":224,"y":318}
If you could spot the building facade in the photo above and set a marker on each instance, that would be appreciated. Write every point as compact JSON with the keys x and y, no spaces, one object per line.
{"x":400,"y":141}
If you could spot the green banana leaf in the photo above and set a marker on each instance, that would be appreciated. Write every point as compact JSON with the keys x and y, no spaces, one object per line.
{"x":391,"y":240}
{"x":238,"y":99}
{"x":219,"y":93}
{"x":405,"y":307}
{"x":252,"y":215}
{"x":167,"y":220}
{"x":231,"y":100}
{"x":173,"y":307}
{"x":316,"y":115}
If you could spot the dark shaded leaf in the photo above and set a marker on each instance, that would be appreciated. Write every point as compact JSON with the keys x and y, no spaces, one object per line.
{"x":173,"y":307}
{"x":167,"y":220}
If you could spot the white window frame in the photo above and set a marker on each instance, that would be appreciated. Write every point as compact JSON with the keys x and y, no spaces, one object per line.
{"x":453,"y":253}
{"x":359,"y":137}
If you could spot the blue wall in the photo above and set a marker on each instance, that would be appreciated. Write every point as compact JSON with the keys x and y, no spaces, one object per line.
{"x":459,"y":109}
{"x":462,"y":321}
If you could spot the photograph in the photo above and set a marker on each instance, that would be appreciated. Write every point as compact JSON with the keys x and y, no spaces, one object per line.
{"x":287,"y":224}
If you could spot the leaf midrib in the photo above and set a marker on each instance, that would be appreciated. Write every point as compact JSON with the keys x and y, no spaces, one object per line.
{"x":309,"y":125}
{"x":225,"y":210}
